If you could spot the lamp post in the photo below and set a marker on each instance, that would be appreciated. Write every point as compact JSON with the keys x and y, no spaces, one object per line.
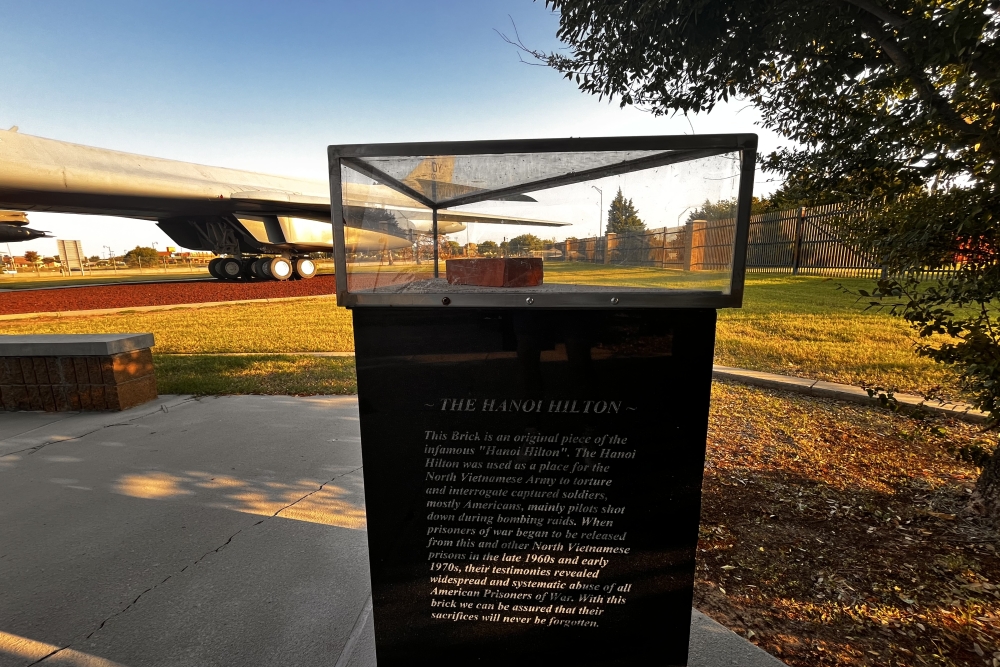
{"x":682,"y":213}
{"x":111,"y":257}
{"x":600,"y":212}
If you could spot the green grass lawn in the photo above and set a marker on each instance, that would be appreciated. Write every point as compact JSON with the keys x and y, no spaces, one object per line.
{"x":285,"y":374}
{"x":796,"y":325}
{"x":803,"y":325}
{"x":306,"y":325}
{"x":26,"y":280}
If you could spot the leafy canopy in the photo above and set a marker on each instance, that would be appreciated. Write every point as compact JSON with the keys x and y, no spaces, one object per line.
{"x":622,"y":216}
{"x":890,"y":99}
{"x":525,"y":243}
{"x":142,"y":256}
{"x":488,"y":249}
{"x":880,"y":97}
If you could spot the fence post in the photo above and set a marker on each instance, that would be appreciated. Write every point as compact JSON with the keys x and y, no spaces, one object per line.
{"x":663,"y":250}
{"x":688,"y":244}
{"x":797,"y":248}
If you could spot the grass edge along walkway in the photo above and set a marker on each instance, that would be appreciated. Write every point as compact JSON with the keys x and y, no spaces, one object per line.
{"x":298,"y":374}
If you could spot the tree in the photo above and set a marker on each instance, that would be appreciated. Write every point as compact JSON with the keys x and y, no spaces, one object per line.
{"x":142,"y":256}
{"x":726,"y":208}
{"x":525,"y":243}
{"x":31,"y":257}
{"x":488,"y":249}
{"x":622,"y":216}
{"x":890,"y":99}
{"x":94,"y":259}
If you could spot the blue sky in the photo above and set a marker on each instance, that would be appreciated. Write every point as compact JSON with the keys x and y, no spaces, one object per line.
{"x":266,"y":86}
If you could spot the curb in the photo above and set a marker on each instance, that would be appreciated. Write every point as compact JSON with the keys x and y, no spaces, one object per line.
{"x":846,"y":392}
{"x":142,"y":309}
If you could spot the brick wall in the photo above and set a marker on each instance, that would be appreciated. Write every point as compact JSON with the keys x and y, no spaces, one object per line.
{"x":112,"y":382}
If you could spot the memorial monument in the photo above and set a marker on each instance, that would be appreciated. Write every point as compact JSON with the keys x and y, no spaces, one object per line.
{"x":533,"y":434}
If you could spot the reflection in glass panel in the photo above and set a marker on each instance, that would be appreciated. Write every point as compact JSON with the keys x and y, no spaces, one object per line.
{"x":387,"y":235}
{"x":444,"y":177}
{"x":670,"y":225}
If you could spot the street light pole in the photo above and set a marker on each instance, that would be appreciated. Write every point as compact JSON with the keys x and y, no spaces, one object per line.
{"x":111,"y":257}
{"x":682,"y":213}
{"x":600,"y":213}
{"x":600,"y":218}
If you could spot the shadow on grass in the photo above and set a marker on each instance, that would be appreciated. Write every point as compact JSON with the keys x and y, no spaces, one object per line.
{"x":279,"y":374}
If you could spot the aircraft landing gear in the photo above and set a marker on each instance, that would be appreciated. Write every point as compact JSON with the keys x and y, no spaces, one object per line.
{"x":262,"y":268}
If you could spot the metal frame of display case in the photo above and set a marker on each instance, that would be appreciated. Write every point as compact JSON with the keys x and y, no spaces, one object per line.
{"x":689,"y":147}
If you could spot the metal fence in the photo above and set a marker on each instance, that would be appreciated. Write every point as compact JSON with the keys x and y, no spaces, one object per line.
{"x":796,"y":241}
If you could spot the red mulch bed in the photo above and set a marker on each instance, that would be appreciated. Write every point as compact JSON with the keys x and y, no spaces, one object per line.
{"x":157,"y":294}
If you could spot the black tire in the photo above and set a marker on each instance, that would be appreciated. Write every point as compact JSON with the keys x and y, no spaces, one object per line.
{"x":255,"y":269}
{"x":247,"y":272}
{"x":229,"y":268}
{"x":212,"y":264}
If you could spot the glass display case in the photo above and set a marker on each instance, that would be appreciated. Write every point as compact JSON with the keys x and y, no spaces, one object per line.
{"x":619,"y":222}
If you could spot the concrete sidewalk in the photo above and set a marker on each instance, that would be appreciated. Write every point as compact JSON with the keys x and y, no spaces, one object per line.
{"x":213,"y":531}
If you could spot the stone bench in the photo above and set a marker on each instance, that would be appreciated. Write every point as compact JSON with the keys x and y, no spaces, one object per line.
{"x":69,"y":372}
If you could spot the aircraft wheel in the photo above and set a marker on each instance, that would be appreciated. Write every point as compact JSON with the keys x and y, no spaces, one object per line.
{"x":212,"y":265}
{"x":229,"y":268}
{"x":247,"y":272}
{"x":280,"y":268}
{"x":264,"y":268}
{"x":305,"y":268}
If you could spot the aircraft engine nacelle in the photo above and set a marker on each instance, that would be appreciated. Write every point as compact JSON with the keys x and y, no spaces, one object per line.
{"x":15,"y":233}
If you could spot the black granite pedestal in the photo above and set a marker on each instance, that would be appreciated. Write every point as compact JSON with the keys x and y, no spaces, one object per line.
{"x":533,"y":482}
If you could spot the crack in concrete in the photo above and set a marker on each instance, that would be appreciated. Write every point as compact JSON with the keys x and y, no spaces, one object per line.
{"x":321,"y":486}
{"x":54,"y":421}
{"x":35,"y":448}
{"x":199,"y":559}
{"x":46,"y":657}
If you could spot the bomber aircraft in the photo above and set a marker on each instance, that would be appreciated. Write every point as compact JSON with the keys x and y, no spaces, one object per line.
{"x":259,"y":225}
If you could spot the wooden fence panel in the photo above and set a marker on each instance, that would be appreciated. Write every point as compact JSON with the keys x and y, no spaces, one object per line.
{"x":801,"y":240}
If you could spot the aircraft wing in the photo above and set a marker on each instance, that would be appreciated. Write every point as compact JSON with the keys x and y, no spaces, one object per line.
{"x":226,"y":211}
{"x":39,"y":174}
{"x":493,"y":219}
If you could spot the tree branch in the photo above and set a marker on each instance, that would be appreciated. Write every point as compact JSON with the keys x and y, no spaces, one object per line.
{"x":880,"y":13}
{"x":925,"y":89}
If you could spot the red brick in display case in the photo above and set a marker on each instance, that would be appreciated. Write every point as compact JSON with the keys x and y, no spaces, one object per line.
{"x":495,"y":272}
